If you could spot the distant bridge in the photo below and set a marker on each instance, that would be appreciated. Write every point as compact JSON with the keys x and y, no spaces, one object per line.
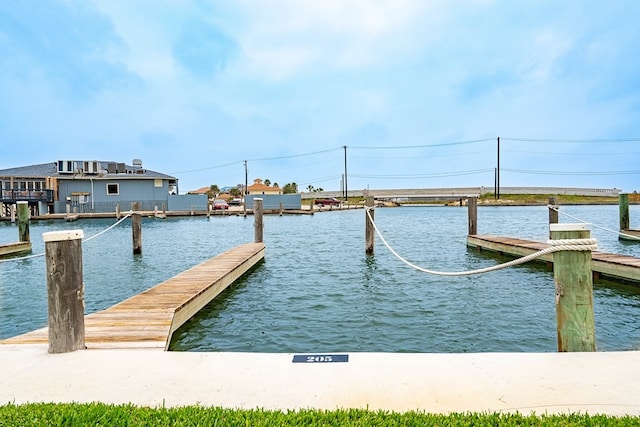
{"x":463,"y":192}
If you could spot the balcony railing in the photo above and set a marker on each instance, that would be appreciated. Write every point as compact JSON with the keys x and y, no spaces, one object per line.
{"x":12,"y":196}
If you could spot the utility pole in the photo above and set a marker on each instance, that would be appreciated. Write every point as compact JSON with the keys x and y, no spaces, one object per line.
{"x":345,"y":174}
{"x":245,"y":190}
{"x":498,"y":173}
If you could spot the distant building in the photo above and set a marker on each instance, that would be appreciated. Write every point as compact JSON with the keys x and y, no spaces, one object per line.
{"x":259,"y":187}
{"x":86,"y":186}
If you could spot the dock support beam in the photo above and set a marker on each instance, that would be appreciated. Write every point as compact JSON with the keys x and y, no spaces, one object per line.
{"x":136,"y":227}
{"x":369,"y":230}
{"x":574,"y":291}
{"x":65,"y":290}
{"x":258,"y":224}
{"x":472,"y":209}
{"x":23,"y":222}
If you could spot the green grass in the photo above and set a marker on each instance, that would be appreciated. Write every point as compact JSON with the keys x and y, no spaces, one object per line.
{"x":97,"y":414}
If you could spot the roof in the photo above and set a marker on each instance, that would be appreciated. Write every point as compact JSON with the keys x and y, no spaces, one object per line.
{"x":51,"y":170}
{"x":258,"y":186}
{"x":203,"y":190}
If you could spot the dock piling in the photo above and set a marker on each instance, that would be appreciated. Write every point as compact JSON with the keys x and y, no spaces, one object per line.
{"x":623,"y":206}
{"x":369,"y":230}
{"x":472,"y":209}
{"x":553,"y":212}
{"x":136,"y":227}
{"x":574,"y":291}
{"x":258,"y":223}
{"x":65,"y":290}
{"x":23,"y":222}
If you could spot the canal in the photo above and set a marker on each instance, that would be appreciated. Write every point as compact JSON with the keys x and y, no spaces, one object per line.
{"x":317,"y":291}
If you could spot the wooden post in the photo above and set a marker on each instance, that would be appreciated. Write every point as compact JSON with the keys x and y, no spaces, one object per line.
{"x":65,"y":290}
{"x":623,"y":206}
{"x":208,"y":209}
{"x":281,"y":208}
{"x":13,"y":214}
{"x":553,"y":211}
{"x":118,"y":211}
{"x":136,"y":227}
{"x":369,"y":232}
{"x":257,"y":220}
{"x":23,"y":221}
{"x":574,"y":291}
{"x":311,"y":206}
{"x":472,"y":210}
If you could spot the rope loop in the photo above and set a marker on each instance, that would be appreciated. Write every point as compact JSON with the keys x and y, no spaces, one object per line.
{"x":573,"y":244}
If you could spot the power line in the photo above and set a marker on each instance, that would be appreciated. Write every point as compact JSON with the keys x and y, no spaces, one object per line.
{"x":430,"y":175}
{"x":574,"y":141}
{"x":575,"y":153}
{"x":402,"y":147}
{"x":538,"y":172}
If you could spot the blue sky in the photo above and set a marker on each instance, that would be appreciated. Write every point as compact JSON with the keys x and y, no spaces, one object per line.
{"x":417,"y":90}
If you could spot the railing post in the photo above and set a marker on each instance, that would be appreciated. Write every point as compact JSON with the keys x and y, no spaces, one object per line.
{"x":136,"y":227}
{"x":23,"y":222}
{"x":553,"y":211}
{"x":472,"y":208}
{"x":65,"y":290}
{"x":258,"y":220}
{"x":369,"y":230}
{"x":574,"y":291}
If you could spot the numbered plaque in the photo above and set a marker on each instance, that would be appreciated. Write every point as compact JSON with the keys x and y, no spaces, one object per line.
{"x":320,"y":358}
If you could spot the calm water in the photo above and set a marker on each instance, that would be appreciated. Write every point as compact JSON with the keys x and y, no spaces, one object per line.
{"x":316,"y":291}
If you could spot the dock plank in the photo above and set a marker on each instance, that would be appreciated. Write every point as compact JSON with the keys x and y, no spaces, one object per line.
{"x":147,"y":320}
{"x":609,"y":265}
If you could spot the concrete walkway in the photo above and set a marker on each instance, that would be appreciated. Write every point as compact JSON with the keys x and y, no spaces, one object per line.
{"x":605,"y":382}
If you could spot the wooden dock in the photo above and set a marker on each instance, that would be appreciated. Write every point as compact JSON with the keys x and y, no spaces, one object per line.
{"x":606,"y":265}
{"x":14,"y":248}
{"x":148,"y":320}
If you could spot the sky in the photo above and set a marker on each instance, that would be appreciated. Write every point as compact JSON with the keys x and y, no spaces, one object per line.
{"x":397,"y":94}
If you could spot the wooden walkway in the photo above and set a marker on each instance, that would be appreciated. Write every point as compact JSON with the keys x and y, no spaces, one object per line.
{"x":14,"y":248}
{"x":148,"y":320}
{"x":606,"y":265}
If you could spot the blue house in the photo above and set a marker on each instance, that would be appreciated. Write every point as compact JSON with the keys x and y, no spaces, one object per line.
{"x":86,"y":186}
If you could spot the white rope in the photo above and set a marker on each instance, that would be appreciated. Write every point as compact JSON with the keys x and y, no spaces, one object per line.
{"x":555,"y":208}
{"x":84,"y":241}
{"x":109,"y":228}
{"x":555,"y":246}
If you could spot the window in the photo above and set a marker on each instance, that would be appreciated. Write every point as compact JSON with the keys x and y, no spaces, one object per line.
{"x":113,"y":189}
{"x":157,"y":183}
